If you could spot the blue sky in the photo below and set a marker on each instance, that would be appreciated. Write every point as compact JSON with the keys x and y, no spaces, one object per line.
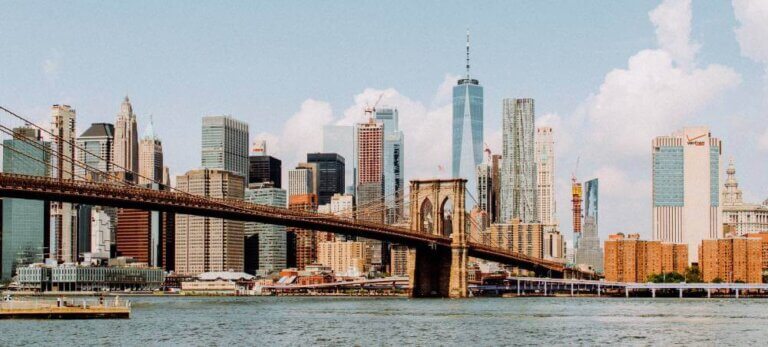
{"x":304,"y":64}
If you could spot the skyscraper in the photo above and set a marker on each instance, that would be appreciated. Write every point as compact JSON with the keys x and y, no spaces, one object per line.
{"x":340,"y":139}
{"x":467,"y":142}
{"x":588,"y":250}
{"x":225,"y":144}
{"x":576,"y":200}
{"x":150,"y":156}
{"x":544,"y":156}
{"x":25,"y":228}
{"x":518,"y":172}
{"x":330,"y":175}
{"x":369,"y":179}
{"x":263,"y":168}
{"x":63,"y":215}
{"x":126,"y":150}
{"x":209,"y":244}
{"x":686,"y":188}
{"x":394,"y":168}
{"x":271,"y":238}
{"x":484,"y":192}
{"x":97,"y":142}
{"x":300,"y":181}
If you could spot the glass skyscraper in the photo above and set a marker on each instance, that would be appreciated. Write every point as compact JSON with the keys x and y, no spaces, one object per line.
{"x":588,"y":249}
{"x":25,"y":222}
{"x":272,"y":238}
{"x":225,"y":145}
{"x":394,"y":168}
{"x":467,"y":142}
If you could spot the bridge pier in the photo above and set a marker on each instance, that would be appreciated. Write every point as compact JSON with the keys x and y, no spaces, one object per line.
{"x":438,"y":273}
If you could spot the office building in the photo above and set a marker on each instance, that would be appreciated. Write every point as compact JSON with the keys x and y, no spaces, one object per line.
{"x":544,"y":157}
{"x":340,"y":139}
{"x":300,"y":181}
{"x":272,"y":239}
{"x":94,"y":149}
{"x":345,"y":258}
{"x":369,"y":141}
{"x":588,"y":251}
{"x":629,"y":259}
{"x":101,"y":234}
{"x":265,"y":168}
{"x":225,"y":145}
{"x":517,"y":236}
{"x":25,"y":223}
{"x":484,"y":192}
{"x":63,"y":215}
{"x":206,"y":244}
{"x":741,"y":217}
{"x":518,"y":172}
{"x":126,"y":143}
{"x":686,"y":188}
{"x":147,"y":236}
{"x":737,"y":259}
{"x":305,"y":245}
{"x":467,"y":138}
{"x":394,"y":164}
{"x":150,"y":156}
{"x":330,"y":175}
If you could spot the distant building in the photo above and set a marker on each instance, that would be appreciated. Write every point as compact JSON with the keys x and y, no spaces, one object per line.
{"x":300,"y":181}
{"x":467,"y":135}
{"x":147,"y":236}
{"x":629,"y":259}
{"x":764,"y":248}
{"x":554,"y":246}
{"x":394,"y":164}
{"x":484,"y":192}
{"x":101,"y":233}
{"x":370,"y":183}
{"x":126,"y":149}
{"x":588,"y":251}
{"x":150,"y":156}
{"x":63,"y":215}
{"x":518,"y":172}
{"x":98,"y":142}
{"x":686,"y":188}
{"x":741,"y":217}
{"x":577,"y":197}
{"x":272,"y":240}
{"x":340,"y":139}
{"x":731,"y":260}
{"x":516,"y":236}
{"x":225,"y":145}
{"x":209,"y":244}
{"x":346,"y":258}
{"x":399,"y":260}
{"x":305,"y":240}
{"x":25,"y":234}
{"x":265,"y":168}
{"x":330,"y":175}
{"x":544,"y":156}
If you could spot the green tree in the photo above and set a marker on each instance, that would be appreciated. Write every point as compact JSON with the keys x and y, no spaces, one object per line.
{"x":693,"y":274}
{"x":717,"y":280}
{"x":667,"y":277}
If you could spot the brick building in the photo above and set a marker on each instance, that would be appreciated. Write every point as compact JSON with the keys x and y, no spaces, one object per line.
{"x":629,"y":259}
{"x":731,"y":260}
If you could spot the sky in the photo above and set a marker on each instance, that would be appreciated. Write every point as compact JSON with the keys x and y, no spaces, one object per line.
{"x":608,"y":76}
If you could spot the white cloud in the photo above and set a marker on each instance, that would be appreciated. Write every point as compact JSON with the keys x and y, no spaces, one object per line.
{"x":753,"y":28}
{"x":673,"y":30}
{"x":300,"y":134}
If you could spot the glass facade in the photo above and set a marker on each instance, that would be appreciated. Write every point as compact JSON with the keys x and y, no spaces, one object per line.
{"x":330,"y":175}
{"x":225,"y":145}
{"x":668,"y":188}
{"x":467,"y":143}
{"x":394,"y":169}
{"x":272,"y":238}
{"x":714,"y":176}
{"x":24,"y":221}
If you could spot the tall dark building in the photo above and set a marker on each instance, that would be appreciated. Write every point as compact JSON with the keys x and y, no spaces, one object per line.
{"x":330,"y":178}
{"x":264,"y":168}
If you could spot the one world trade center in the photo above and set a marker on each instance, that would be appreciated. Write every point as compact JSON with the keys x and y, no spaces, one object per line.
{"x":467,"y":143}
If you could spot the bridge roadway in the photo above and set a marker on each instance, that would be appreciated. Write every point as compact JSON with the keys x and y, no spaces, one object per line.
{"x":121,"y":195}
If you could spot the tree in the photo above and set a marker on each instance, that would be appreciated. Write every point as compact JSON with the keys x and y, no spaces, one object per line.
{"x":717,"y":280}
{"x":667,"y":277}
{"x":693,"y":274}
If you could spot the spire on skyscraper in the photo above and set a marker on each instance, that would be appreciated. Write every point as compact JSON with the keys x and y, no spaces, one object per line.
{"x":467,"y":53}
{"x":149,"y":131}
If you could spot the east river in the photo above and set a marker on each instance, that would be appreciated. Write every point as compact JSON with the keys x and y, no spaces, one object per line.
{"x":261,"y":321}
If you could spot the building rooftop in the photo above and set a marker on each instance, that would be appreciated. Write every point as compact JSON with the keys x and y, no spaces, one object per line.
{"x":225,"y":275}
{"x":99,"y":130}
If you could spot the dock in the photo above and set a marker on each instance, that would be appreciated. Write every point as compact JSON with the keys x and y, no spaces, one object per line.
{"x":63,"y":308}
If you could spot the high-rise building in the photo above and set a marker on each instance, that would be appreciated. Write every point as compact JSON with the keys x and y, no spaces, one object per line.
{"x":517,"y":236}
{"x":484,"y":192}
{"x":763,"y":236}
{"x":588,"y":251}
{"x":544,"y":156}
{"x":305,"y":240}
{"x":225,"y":144}
{"x":94,"y":149}
{"x":686,"y":188}
{"x":25,"y":227}
{"x":518,"y":172}
{"x":300,"y":181}
{"x":394,"y":167}
{"x":467,"y":140}
{"x":271,"y":238}
{"x":209,"y":244}
{"x":344,"y":258}
{"x":399,"y":260}
{"x":340,"y":139}
{"x":265,"y":168}
{"x":143,"y":235}
{"x":369,"y":189}
{"x":150,"y":156}
{"x":330,"y":175}
{"x":554,"y":245}
{"x":495,"y":212}
{"x":101,"y":233}
{"x":63,"y":215}
{"x":126,"y":143}
{"x":576,"y":209}
{"x":629,"y":259}
{"x":738,"y":216}
{"x":736,"y":259}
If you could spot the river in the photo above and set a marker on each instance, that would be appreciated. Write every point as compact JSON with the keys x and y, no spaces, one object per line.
{"x":259,"y":321}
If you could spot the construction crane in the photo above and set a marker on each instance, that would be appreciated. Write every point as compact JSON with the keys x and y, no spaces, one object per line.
{"x":369,"y":110}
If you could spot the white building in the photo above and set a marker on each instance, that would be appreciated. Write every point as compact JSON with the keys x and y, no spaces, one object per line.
{"x":101,"y":235}
{"x":300,"y":181}
{"x":686,"y":188}
{"x":738,"y":216}
{"x":544,"y":156}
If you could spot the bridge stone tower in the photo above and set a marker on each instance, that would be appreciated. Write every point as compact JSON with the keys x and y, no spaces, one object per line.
{"x":437,"y":208}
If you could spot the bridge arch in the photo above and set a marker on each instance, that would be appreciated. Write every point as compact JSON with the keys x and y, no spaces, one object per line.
{"x":426,"y":219}
{"x":446,"y":217}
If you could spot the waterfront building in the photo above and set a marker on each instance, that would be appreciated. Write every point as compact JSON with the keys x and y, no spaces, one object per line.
{"x":72,"y":278}
{"x":345,"y":258}
{"x":629,"y":259}
{"x":467,"y":136}
{"x":305,"y":241}
{"x":394,"y":164}
{"x":25,"y":226}
{"x":736,"y":259}
{"x":764,"y":247}
{"x":203,"y":243}
{"x":150,"y":156}
{"x":518,"y":172}
{"x":225,"y":145}
{"x":544,"y":157}
{"x":369,"y":183}
{"x":95,"y":147}
{"x":588,"y":251}
{"x":272,"y":240}
{"x":126,"y":151}
{"x":517,"y":236}
{"x":300,"y":181}
{"x":340,"y":139}
{"x":740,"y":217}
{"x":63,"y":215}
{"x":399,"y":260}
{"x":330,"y":175}
{"x":686,"y":188}
{"x":265,"y":168}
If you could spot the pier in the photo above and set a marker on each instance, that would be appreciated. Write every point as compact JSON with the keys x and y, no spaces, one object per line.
{"x":63,"y":308}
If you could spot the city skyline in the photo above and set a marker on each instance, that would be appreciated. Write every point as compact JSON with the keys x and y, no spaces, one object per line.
{"x":732,"y":103}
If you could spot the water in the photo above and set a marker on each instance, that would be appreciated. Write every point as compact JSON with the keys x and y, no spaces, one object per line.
{"x":224,"y":321}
